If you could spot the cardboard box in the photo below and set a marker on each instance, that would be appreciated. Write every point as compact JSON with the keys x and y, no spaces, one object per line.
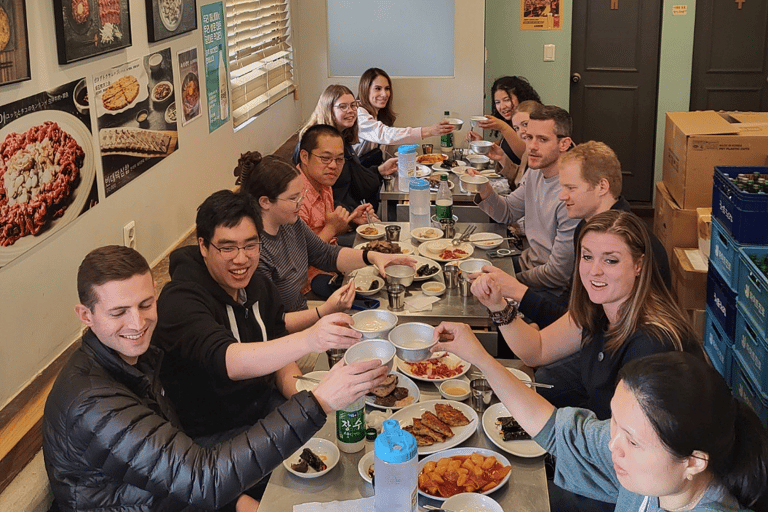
{"x":673,"y":226}
{"x":695,"y":142}
{"x":689,"y":278}
{"x":698,"y":318}
{"x":704,"y":228}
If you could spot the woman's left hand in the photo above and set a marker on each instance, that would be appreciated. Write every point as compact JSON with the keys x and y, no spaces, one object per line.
{"x":492,"y":123}
{"x":388,"y":167}
{"x":458,"y":339}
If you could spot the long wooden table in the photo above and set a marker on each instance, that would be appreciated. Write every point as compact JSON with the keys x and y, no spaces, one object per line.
{"x":526,"y":490}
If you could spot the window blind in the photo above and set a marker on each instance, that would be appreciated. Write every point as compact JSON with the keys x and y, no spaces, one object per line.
{"x":260,"y":55}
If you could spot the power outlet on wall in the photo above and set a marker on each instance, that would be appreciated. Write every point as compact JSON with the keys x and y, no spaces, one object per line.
{"x":129,"y":235}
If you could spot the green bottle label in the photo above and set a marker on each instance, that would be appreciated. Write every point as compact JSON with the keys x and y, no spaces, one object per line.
{"x":444,"y":211}
{"x":350,"y":426}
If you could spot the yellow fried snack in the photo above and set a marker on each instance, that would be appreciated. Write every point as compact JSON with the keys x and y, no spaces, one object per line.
{"x":461,"y":473}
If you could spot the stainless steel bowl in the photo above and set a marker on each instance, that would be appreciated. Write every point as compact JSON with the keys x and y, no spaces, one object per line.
{"x":455,"y":122}
{"x":366,"y":350}
{"x":400,"y":274}
{"x":481,"y":147}
{"x":412,"y":341}
{"x":473,"y":265}
{"x":374,"y":323}
{"x":479,"y":162}
{"x":473,"y":184}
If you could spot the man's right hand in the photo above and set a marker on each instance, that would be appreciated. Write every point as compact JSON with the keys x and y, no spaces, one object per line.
{"x":346,"y":383}
{"x":332,"y":331}
{"x":338,"y":220}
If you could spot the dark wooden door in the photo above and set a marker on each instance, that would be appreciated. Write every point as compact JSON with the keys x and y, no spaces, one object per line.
{"x":730,"y":55}
{"x":614,"y":72}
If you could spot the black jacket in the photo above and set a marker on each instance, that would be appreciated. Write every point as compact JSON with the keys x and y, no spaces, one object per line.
{"x":194,"y":331}
{"x":111,"y":441}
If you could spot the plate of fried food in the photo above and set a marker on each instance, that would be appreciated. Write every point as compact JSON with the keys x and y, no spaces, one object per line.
{"x":504,"y":431}
{"x":444,"y":250}
{"x":371,"y":231}
{"x":448,"y":165}
{"x":427,"y":234}
{"x":441,"y":366}
{"x":430,"y":158}
{"x":437,"y":424}
{"x":460,"y":470}
{"x":397,"y":391}
{"x":403,"y":248}
{"x":314,"y":459}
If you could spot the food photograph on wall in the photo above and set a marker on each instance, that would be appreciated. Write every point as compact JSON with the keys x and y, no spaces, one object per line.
{"x":47,"y":166}
{"x":14,"y":42}
{"x":136,"y":114}
{"x":190,"y":85}
{"x":85,"y":28}
{"x":168,"y":18}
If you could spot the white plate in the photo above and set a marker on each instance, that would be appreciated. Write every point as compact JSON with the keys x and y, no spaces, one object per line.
{"x":440,"y":168}
{"x":74,"y":127}
{"x":460,"y":170}
{"x":490,"y":174}
{"x":362,"y":467}
{"x":421,"y":157}
{"x":421,"y":171}
{"x":520,"y":374}
{"x":170,"y":23}
{"x":305,"y":385}
{"x":434,"y":248}
{"x":364,"y":277}
{"x":486,"y":245}
{"x":460,"y":434}
{"x":403,"y":382}
{"x":137,"y":70}
{"x":420,"y":260}
{"x":522,"y":447}
{"x":427,"y":234}
{"x":406,"y":248}
{"x":380,"y":232}
{"x":471,"y":501}
{"x":465,"y":451}
{"x":326,"y":450}
{"x":448,"y":358}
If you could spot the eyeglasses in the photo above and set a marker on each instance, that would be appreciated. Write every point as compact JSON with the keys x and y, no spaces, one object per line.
{"x":327,"y":159}
{"x":347,"y":106}
{"x":297,"y":201}
{"x":230,"y":252}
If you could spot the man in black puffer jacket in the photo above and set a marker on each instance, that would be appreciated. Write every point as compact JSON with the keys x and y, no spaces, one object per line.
{"x":111,"y":439}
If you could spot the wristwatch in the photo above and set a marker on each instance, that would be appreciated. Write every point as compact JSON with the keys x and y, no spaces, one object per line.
{"x":506,"y":315}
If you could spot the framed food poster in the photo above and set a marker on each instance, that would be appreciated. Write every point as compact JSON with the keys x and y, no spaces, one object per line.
{"x":14,"y":43}
{"x":168,"y":18}
{"x":135,"y":106}
{"x":190,"y":85}
{"x":85,"y":28}
{"x":541,"y":14}
{"x":48,"y":170}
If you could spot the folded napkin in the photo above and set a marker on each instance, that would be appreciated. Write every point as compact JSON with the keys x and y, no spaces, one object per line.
{"x":360,"y":505}
{"x":420,"y":303}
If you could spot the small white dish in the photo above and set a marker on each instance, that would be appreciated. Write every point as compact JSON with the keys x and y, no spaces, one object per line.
{"x":326,"y":450}
{"x":439,"y":166}
{"x":162,"y":92}
{"x":472,"y":502}
{"x":520,"y":374}
{"x":366,"y":463}
{"x":305,"y":385}
{"x":489,"y":240}
{"x":371,"y":231}
{"x":364,"y":278}
{"x":427,"y":234}
{"x":420,"y":172}
{"x":455,"y":389}
{"x":433,"y":288}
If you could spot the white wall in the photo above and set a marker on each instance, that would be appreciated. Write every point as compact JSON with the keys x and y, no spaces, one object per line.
{"x":38,"y":291}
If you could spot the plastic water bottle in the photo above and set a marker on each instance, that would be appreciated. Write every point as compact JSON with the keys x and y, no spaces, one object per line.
{"x":396,"y":469}
{"x":446,"y":140}
{"x":350,"y":427}
{"x":406,"y":164}
{"x":444,"y":199}
{"x":418,"y":207}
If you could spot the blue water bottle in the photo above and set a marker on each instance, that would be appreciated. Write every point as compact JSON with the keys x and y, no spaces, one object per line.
{"x":396,"y":469}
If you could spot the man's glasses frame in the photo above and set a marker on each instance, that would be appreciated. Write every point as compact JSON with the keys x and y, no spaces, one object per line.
{"x":230,"y":252}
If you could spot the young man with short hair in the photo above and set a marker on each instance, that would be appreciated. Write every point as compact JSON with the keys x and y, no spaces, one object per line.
{"x":111,"y":439}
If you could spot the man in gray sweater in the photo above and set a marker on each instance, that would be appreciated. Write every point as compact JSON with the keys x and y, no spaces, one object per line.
{"x":547,"y":264}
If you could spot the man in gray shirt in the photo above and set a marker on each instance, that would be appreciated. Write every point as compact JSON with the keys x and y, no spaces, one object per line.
{"x":547,"y":263}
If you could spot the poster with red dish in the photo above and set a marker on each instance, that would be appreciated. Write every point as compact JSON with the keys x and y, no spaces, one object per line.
{"x":85,"y":28}
{"x":190,"y":85}
{"x":47,"y":166}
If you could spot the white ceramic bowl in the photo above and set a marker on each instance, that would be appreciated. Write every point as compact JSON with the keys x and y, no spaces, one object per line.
{"x":489,"y":240}
{"x":433,"y":288}
{"x":427,"y":234}
{"x":479,"y":162}
{"x":366,"y":231}
{"x":366,"y":350}
{"x":473,"y":265}
{"x":455,"y":389}
{"x":79,"y":96}
{"x":412,"y":341}
{"x":472,"y":502}
{"x":473,"y":184}
{"x":157,"y":97}
{"x":400,"y":274}
{"x":455,"y":122}
{"x":364,"y":278}
{"x":326,"y":450}
{"x":374,"y":323}
{"x":155,"y":60}
{"x":481,"y":147}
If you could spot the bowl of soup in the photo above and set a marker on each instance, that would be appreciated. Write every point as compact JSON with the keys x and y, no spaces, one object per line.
{"x":374,"y":323}
{"x":455,"y":389}
{"x":367,"y":350}
{"x":412,"y":341}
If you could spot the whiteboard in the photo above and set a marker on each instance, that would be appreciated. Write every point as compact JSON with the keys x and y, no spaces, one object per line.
{"x":402,"y":37}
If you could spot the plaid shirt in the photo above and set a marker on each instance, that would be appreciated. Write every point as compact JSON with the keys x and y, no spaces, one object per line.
{"x":312,"y":212}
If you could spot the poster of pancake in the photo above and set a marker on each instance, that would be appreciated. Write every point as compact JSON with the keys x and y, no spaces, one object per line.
{"x":14,"y":43}
{"x":168,"y":18}
{"x":47,"y":166}
{"x":135,"y":107}
{"x":85,"y":28}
